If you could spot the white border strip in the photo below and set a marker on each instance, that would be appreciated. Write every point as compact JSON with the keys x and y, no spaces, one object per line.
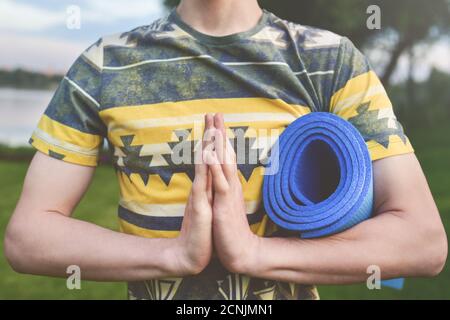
{"x":44,"y":136}
{"x":82,"y":91}
{"x":203,"y":56}
{"x":317,"y":73}
{"x":266,"y":63}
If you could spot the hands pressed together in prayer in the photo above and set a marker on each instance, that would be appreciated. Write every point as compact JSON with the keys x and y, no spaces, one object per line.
{"x":215,"y":215}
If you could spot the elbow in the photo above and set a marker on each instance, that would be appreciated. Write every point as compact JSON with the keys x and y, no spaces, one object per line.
{"x":437,"y":257}
{"x":434,"y":253}
{"x":15,"y":249}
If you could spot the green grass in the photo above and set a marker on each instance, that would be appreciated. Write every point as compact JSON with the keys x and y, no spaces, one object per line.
{"x":99,"y":206}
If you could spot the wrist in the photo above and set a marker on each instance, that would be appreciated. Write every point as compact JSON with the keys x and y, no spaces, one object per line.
{"x":185,"y":262}
{"x":248,"y":263}
{"x":254,"y":262}
{"x":177,"y":263}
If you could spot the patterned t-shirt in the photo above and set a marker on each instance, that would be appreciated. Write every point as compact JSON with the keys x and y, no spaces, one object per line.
{"x":144,"y":91}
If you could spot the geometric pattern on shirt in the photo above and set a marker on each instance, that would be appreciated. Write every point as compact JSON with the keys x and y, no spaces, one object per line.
{"x":371,"y":122}
{"x":128,"y":159}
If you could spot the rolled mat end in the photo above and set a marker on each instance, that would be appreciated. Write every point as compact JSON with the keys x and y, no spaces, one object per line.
{"x":324,"y":182}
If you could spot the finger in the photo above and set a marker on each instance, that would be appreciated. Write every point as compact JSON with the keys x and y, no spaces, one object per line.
{"x":208,"y":134}
{"x":201,"y":168}
{"x":221,"y":140}
{"x":220,"y":124}
{"x":209,"y":187}
{"x":209,"y":121}
{"x":201,"y":177}
{"x":208,"y":139}
{"x":219,"y":181}
{"x":228,"y":156}
{"x":220,"y":137}
{"x":209,"y":125}
{"x":219,"y":145}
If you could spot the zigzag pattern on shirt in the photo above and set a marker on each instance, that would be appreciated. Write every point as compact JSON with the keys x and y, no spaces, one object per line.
{"x":129,"y":159}
{"x":371,"y":122}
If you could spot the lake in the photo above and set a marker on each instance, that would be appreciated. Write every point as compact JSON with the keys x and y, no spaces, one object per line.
{"x":20,"y":111}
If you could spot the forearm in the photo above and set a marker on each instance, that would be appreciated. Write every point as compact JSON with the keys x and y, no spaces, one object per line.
{"x":397,"y":246}
{"x":47,"y":243}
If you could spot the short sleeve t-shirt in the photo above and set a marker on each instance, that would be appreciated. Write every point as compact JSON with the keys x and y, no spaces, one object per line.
{"x":145,"y":90}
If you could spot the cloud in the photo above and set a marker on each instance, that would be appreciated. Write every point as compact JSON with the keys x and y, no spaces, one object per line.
{"x":27,"y":16}
{"x":111,"y":10}
{"x":38,"y":53}
{"x":36,"y":37}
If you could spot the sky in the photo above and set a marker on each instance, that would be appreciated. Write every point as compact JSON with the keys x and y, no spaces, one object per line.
{"x":35,"y":33}
{"x":36,"y":37}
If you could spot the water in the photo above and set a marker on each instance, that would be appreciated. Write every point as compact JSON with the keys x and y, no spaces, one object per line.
{"x":20,"y":111}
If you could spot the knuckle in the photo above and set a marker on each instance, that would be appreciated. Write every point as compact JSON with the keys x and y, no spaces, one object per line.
{"x":222,"y":186}
{"x":196,"y":187}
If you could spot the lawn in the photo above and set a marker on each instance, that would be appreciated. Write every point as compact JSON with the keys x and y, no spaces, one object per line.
{"x":99,"y":206}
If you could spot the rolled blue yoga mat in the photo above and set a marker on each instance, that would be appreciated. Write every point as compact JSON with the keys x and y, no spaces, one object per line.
{"x":324,"y":182}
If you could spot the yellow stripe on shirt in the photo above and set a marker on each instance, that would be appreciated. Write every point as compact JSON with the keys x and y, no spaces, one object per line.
{"x":84,"y":141}
{"x":69,"y":156}
{"x":358,"y":90}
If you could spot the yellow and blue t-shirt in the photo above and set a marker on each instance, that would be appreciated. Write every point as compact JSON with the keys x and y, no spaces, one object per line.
{"x":143,"y":90}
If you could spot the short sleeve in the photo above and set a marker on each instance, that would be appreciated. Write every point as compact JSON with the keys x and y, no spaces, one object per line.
{"x":70,"y":128}
{"x":359,"y":97}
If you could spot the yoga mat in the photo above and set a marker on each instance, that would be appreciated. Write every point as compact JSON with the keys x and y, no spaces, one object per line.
{"x":323,"y":182}
{"x":396,"y":284}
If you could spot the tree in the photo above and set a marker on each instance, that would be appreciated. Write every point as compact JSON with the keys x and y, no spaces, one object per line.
{"x":405,"y":23}
{"x":413,"y":22}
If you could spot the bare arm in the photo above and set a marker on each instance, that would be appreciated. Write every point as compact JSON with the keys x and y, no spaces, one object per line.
{"x":404,"y":238}
{"x":42,"y":238}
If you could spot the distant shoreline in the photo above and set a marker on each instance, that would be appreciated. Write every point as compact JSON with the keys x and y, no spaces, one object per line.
{"x":23,"y":79}
{"x":28,"y":89}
